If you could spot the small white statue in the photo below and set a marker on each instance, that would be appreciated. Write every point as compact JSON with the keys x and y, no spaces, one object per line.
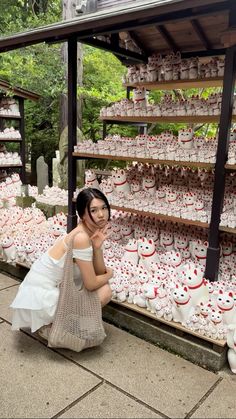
{"x":91,"y":179}
{"x":182,"y":308}
{"x":231,"y":342}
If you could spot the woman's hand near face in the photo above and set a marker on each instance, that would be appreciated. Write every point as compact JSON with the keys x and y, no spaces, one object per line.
{"x":99,"y":237}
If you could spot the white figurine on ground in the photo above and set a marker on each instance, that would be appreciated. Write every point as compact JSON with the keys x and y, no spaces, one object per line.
{"x":231,"y":342}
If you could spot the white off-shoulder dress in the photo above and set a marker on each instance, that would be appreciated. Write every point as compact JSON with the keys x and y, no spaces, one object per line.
{"x":36,"y":301}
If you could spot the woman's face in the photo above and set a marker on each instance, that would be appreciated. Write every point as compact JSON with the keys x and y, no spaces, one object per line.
{"x":99,"y":212}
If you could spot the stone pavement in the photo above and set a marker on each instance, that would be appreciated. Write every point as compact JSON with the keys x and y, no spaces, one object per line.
{"x":126,"y":377}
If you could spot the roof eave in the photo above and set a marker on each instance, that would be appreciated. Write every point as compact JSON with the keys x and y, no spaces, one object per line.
{"x":18,"y":91}
{"x":102,"y":21}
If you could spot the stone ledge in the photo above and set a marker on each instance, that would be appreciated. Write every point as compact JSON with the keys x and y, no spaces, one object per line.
{"x":192,"y":348}
{"x":15,"y":271}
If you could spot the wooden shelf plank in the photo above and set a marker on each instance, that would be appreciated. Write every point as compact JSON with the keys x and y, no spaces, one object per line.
{"x":145,"y":160}
{"x":10,"y":140}
{"x":161,"y":216}
{"x":179,"y":84}
{"x":166,"y":119}
{"x":5,"y":166}
{"x":9,"y":116}
{"x":230,"y":166}
{"x":227,"y":229}
{"x":175,"y":325}
{"x":24,"y":265}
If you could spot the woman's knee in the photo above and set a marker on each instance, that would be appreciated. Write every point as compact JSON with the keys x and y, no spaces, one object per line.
{"x":105,"y":294}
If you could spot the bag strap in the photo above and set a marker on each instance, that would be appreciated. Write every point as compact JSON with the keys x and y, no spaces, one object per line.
{"x":68,"y":269}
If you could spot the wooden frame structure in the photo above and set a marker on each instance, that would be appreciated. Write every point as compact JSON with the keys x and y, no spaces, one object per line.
{"x":21,"y":95}
{"x":193,"y":27}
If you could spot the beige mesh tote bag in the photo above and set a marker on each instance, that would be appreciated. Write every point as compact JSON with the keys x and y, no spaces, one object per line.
{"x":78,"y":320}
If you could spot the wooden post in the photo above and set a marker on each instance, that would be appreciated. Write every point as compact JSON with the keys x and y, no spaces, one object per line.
{"x":213,"y":252}
{"x":72,"y":129}
{"x":69,"y":13}
{"x":22,"y":143}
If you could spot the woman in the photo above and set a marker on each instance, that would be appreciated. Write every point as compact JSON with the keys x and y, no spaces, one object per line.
{"x":35,"y":303}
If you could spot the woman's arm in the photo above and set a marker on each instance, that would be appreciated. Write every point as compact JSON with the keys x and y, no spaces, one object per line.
{"x":98,"y":262}
{"x":92,"y":278}
{"x":97,"y":240}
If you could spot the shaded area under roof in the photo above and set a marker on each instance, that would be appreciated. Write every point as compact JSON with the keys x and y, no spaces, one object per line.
{"x":157,"y":26}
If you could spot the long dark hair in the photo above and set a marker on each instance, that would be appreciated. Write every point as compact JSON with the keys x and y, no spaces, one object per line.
{"x":84,"y":199}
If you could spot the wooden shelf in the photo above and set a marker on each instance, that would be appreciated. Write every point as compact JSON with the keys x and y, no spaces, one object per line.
{"x":179,"y":84}
{"x":227,"y":229}
{"x":175,"y":325}
{"x":161,"y":216}
{"x":10,"y":116}
{"x":166,"y":119}
{"x":230,"y":166}
{"x":10,"y":140}
{"x":24,"y":265}
{"x":145,"y":160}
{"x":9,"y":167}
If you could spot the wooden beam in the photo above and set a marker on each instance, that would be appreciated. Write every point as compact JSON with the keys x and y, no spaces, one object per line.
{"x":18,"y":91}
{"x":102,"y":23}
{"x":204,"y":53}
{"x":228,"y":38}
{"x":198,"y":11}
{"x":200,"y":33}
{"x":139,"y":43}
{"x":232,"y":14}
{"x":114,"y":38}
{"x":125,"y":53}
{"x":167,"y":37}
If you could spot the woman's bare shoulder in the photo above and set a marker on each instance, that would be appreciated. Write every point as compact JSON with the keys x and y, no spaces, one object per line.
{"x":81,"y":240}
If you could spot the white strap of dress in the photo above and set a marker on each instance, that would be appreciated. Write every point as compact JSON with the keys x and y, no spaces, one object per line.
{"x":83,"y":254}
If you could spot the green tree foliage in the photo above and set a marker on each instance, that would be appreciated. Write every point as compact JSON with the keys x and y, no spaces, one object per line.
{"x":101,"y":86}
{"x":37,"y":68}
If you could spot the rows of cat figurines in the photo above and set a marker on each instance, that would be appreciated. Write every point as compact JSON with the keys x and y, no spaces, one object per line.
{"x":173,"y":287}
{"x":189,"y":241}
{"x":168,"y":106}
{"x":10,"y":188}
{"x":185,"y":146}
{"x":165,"y":190}
{"x":10,"y":133}
{"x":8,"y":158}
{"x":173,"y":67}
{"x":9,"y":106}
{"x":17,"y":225}
{"x":150,"y":272}
{"x":25,"y":233}
{"x":171,"y":284}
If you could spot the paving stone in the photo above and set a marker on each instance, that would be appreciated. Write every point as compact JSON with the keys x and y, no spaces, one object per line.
{"x":108,"y":402}
{"x":164,"y":381}
{"x":6,"y":297}
{"x":220,"y":403}
{"x":37,"y":382}
{"x":7,"y":281}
